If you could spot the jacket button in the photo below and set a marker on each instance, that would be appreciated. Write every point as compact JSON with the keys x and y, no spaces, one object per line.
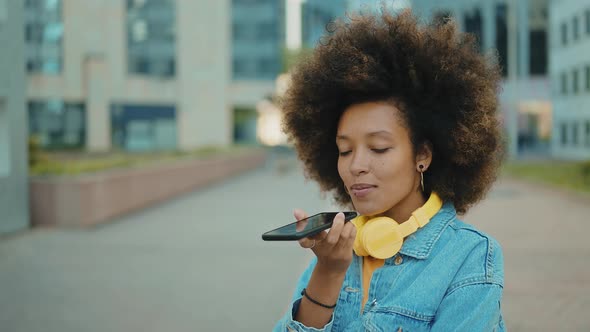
{"x":398,"y":260}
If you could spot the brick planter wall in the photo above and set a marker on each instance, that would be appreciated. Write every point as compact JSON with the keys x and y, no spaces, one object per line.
{"x":95,"y":198}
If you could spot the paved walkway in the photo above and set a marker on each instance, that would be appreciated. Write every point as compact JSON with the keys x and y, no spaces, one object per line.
{"x":545,"y":237}
{"x":197,"y":263}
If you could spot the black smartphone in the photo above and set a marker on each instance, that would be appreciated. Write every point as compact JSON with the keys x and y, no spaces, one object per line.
{"x":313,"y":225}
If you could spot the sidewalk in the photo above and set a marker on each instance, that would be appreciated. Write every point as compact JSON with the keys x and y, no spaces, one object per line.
{"x":197,"y":263}
{"x":544,"y":235}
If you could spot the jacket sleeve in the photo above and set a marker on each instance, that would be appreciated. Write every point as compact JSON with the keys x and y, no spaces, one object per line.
{"x":473,"y":307}
{"x":288,"y":322}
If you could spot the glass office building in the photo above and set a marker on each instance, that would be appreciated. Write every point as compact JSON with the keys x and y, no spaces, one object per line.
{"x":570,"y":74}
{"x":117,"y":74}
{"x":258,"y":38}
{"x":316,"y":15}
{"x":517,"y":32}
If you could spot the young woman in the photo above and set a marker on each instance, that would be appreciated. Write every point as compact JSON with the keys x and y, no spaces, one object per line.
{"x":398,"y":121}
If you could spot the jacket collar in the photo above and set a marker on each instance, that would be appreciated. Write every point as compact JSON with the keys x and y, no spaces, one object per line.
{"x":419,"y":245}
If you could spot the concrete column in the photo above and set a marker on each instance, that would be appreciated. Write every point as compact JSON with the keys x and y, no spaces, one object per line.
{"x":14,"y":177}
{"x":459,"y":16}
{"x":488,"y":14}
{"x":203,"y":73}
{"x":98,"y":124}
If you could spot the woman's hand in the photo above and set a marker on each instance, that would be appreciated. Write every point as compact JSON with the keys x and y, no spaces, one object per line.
{"x":333,"y":248}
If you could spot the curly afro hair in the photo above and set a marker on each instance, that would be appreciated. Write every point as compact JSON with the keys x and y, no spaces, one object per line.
{"x":445,"y":89}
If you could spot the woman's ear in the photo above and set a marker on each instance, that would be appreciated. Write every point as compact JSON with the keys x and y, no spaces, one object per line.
{"x":424,"y":157}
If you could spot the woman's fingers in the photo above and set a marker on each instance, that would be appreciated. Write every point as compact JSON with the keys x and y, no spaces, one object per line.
{"x":341,"y":233}
{"x":348,"y":231}
{"x":334,"y":234}
{"x":299,"y":215}
{"x":347,"y":236}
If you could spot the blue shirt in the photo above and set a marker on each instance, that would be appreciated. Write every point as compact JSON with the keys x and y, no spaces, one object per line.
{"x":449,"y":278}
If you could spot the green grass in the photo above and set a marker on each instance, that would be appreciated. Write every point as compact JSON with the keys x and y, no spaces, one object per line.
{"x":569,"y":175}
{"x":74,"y":163}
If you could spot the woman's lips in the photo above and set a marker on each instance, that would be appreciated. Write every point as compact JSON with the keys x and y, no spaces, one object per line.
{"x":362,"y":190}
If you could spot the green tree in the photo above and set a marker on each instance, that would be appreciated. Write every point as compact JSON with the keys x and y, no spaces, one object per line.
{"x":292,"y":57}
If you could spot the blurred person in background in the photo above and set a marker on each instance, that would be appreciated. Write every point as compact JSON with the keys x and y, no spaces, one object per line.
{"x":398,"y":121}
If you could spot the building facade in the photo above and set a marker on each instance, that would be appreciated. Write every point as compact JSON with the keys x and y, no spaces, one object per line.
{"x":315,"y":17}
{"x":517,"y":31}
{"x":258,"y":43}
{"x":570,"y":74}
{"x":13,"y":131}
{"x":135,"y":75}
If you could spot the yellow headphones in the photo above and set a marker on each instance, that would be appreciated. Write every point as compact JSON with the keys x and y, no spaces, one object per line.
{"x":383,"y":237}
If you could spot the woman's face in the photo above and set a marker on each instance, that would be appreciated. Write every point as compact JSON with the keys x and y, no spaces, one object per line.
{"x":376,"y":161}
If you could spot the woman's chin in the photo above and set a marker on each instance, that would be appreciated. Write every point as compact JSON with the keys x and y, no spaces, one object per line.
{"x":369,"y":210}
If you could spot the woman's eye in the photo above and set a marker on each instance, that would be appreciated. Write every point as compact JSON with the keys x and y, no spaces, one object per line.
{"x":380,"y":150}
{"x":344,"y":153}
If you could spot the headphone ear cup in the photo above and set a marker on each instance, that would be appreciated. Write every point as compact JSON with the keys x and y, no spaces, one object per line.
{"x":381,"y":237}
{"x":359,"y":222}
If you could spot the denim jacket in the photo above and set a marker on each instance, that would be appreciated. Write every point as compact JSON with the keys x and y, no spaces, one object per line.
{"x":449,"y":277}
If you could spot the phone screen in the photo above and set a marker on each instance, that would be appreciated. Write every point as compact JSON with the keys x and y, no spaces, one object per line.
{"x":305,"y":227}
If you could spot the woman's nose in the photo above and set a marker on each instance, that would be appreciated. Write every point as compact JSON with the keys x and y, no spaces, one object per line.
{"x":359,"y":164}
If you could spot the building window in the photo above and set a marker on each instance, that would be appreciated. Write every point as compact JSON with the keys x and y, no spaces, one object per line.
{"x":266,"y":31}
{"x":538,"y":52}
{"x":44,"y":36}
{"x":587,"y":78}
{"x":563,"y":134}
{"x":502,"y":36}
{"x":143,"y":128}
{"x":538,"y":40}
{"x":575,"y":133}
{"x":564,"y":83}
{"x":239,"y":68}
{"x":564,"y":34}
{"x":575,"y":28}
{"x":473,"y":25}
{"x":574,"y":81}
{"x":260,"y":25}
{"x":587,"y":133}
{"x":267,"y":67}
{"x":587,"y":16}
{"x":57,"y":124}
{"x":151,"y":37}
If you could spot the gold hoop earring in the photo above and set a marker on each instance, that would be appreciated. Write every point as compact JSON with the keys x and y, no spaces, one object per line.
{"x":422,"y":180}
{"x":421,"y":167}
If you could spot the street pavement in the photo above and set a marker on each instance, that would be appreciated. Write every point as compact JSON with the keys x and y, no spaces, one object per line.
{"x":197,"y":262}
